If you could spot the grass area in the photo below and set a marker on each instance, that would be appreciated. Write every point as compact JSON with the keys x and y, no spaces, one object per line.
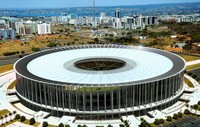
{"x":11,"y":122}
{"x":28,"y":121}
{"x":25,"y":122}
{"x":189,"y":57}
{"x":4,"y":112}
{"x":188,"y":82}
{"x":193,"y":66}
{"x":12,"y":85}
{"x":6,"y":68}
{"x":52,"y":126}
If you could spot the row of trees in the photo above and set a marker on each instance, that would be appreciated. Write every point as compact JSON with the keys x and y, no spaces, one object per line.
{"x":12,"y":53}
{"x":10,"y":114}
{"x":144,"y":123}
{"x":194,"y":76}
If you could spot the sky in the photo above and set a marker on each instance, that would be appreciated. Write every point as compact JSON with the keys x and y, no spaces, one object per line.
{"x":80,"y":3}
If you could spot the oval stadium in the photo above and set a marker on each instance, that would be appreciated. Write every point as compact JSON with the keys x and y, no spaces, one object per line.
{"x":99,"y":81}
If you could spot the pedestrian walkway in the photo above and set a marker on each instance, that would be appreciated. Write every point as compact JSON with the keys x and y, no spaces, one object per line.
{"x":192,"y":62}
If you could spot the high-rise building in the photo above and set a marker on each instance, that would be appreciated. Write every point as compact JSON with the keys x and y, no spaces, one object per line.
{"x":117,"y":13}
{"x":7,"y":34}
{"x":25,"y":27}
{"x":44,"y":28}
{"x":102,"y":15}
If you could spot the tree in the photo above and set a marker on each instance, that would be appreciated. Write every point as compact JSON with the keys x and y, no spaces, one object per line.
{"x":14,"y":112}
{"x":35,"y":49}
{"x":67,"y":125}
{"x":169,"y":118}
{"x":156,"y":122}
{"x":144,"y":123}
{"x":6,"y":117}
{"x":198,"y":102}
{"x":10,"y":114}
{"x":61,"y":125}
{"x":175,"y":116}
{"x":32,"y":121}
{"x":22,"y":52}
{"x":18,"y":36}
{"x":121,"y":125}
{"x":45,"y":124}
{"x":161,"y":121}
{"x":180,"y":114}
{"x":17,"y":116}
{"x":96,"y":40}
{"x":196,"y":106}
{"x":126,"y":123}
{"x":1,"y":120}
{"x":194,"y":76}
{"x":109,"y":125}
{"x":22,"y":118}
{"x":187,"y":111}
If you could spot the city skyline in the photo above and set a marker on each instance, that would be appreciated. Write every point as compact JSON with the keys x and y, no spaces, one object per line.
{"x":79,"y":3}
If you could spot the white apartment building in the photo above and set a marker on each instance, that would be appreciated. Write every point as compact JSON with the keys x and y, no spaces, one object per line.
{"x":44,"y":28}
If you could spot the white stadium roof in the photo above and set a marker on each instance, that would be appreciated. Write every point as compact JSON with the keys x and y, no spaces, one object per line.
{"x":140,"y":65}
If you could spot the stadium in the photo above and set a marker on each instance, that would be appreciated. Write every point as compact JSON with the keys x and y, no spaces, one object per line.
{"x":99,"y":81}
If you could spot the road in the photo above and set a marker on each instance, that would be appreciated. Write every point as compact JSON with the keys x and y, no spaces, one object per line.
{"x":9,"y":61}
{"x":196,"y":72}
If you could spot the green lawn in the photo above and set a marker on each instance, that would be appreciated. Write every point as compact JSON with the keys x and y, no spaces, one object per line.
{"x":188,"y":82}
{"x":25,"y":122}
{"x":189,"y":57}
{"x":12,"y":85}
{"x":193,"y":66}
{"x":6,"y":68}
{"x":4,"y":112}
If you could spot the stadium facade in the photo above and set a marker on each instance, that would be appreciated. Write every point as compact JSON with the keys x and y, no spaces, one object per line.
{"x":99,"y":81}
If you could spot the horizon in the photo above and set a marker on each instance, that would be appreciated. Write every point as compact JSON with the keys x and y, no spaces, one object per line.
{"x":90,"y":4}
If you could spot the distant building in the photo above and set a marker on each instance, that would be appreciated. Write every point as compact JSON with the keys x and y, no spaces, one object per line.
{"x":7,"y":34}
{"x":180,"y":44}
{"x":44,"y":28}
{"x":72,"y":16}
{"x":25,"y":27}
{"x":117,"y":13}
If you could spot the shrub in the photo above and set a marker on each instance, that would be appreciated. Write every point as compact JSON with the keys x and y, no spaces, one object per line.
{"x":32,"y":121}
{"x":180,"y":114}
{"x":35,"y":49}
{"x":194,"y":76}
{"x":161,"y":121}
{"x":52,"y":44}
{"x":61,"y":125}
{"x":17,"y":116}
{"x":9,"y":53}
{"x":22,"y":118}
{"x":45,"y":124}
{"x":144,"y":123}
{"x":20,"y":56}
{"x":189,"y":73}
{"x":156,"y":122}
{"x":121,"y":125}
{"x":110,"y":125}
{"x":169,"y":118}
{"x":175,"y":116}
